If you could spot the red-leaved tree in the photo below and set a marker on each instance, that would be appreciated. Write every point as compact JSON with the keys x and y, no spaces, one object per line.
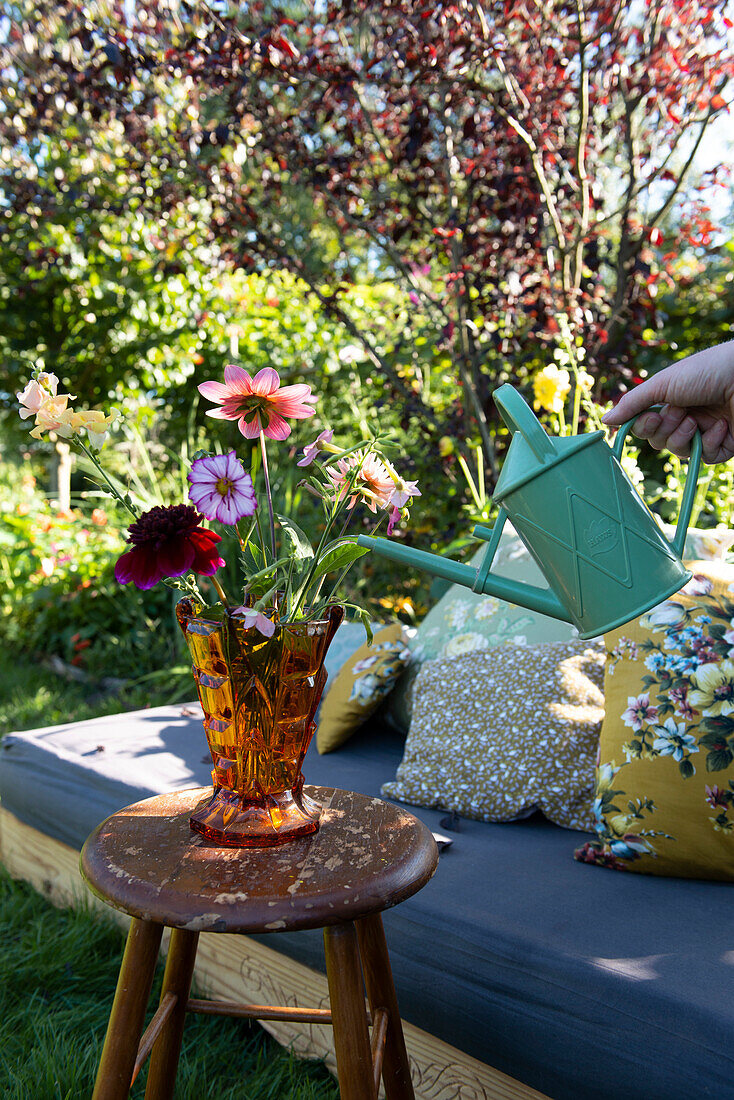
{"x":509,"y":164}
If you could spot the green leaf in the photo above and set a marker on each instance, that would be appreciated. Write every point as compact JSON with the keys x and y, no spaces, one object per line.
{"x":364,"y":618}
{"x":255,"y":558}
{"x":721,"y":726}
{"x":298,"y":539}
{"x":338,"y":555}
{"x":719,"y":759}
{"x":686,"y":768}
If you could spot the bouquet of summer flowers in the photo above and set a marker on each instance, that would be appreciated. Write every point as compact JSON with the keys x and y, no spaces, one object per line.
{"x":284,"y":577}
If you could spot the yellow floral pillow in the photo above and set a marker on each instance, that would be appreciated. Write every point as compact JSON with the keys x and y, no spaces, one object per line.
{"x":361,"y":684}
{"x":665,"y":780}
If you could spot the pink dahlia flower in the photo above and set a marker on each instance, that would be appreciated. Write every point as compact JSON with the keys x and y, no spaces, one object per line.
{"x":259,"y":403}
{"x":373,"y":483}
{"x":168,"y":542}
{"x":221,"y":488}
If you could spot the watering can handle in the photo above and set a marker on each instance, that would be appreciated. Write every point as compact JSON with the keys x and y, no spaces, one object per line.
{"x":491,"y":535}
{"x":689,"y":491}
{"x":519,"y":417}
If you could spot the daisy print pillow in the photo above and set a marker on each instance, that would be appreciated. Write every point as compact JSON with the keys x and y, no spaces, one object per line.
{"x":664,"y":801}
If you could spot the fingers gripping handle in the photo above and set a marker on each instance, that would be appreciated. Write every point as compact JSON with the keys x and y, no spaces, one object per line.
{"x":689,"y":489}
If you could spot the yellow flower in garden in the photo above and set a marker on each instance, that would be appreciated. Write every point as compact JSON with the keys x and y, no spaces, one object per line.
{"x":53,"y":416}
{"x":96,"y":424}
{"x":551,"y":387}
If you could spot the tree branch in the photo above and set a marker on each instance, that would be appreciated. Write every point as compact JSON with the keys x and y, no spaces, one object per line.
{"x":468,"y":367}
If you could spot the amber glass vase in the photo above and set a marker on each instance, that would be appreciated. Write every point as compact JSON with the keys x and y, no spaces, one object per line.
{"x":259,"y":697}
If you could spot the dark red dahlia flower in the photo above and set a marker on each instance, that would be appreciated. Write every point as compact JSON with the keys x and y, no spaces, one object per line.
{"x":166,"y":543}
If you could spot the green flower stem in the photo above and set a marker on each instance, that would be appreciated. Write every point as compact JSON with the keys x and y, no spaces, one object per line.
{"x":189,"y":584}
{"x":220,"y":591}
{"x":470,"y":482}
{"x":243,"y":540}
{"x":576,"y":406}
{"x":268,"y":569}
{"x":345,"y":454}
{"x":337,"y":505}
{"x":346,"y":568}
{"x":95,"y":462}
{"x":268,"y":491}
{"x":260,"y":533}
{"x":288,"y":593}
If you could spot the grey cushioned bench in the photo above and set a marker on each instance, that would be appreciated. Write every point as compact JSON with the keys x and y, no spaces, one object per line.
{"x":578,"y":981}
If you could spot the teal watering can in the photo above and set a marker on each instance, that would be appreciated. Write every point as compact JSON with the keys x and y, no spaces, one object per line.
{"x":603,"y":554}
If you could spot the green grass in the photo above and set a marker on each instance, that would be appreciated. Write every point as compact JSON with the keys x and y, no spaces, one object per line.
{"x":58,"y":969}
{"x":32,"y":697}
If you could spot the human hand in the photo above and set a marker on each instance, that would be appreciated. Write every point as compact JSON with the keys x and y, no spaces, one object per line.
{"x":696,"y":393}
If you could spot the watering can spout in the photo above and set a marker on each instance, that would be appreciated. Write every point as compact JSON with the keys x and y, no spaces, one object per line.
{"x":453,"y":571}
{"x":481,"y":580}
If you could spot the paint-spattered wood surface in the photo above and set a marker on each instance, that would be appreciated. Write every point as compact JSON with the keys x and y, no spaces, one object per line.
{"x":367,"y":856}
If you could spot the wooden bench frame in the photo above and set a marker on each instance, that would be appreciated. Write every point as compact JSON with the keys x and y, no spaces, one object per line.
{"x":237,"y":968}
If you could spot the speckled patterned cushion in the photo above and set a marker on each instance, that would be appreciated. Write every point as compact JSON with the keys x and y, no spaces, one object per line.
{"x":496,"y":734}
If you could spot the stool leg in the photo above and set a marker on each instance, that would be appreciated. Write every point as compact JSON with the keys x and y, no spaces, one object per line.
{"x":346,"y":994}
{"x":381,"y":994}
{"x":128,"y":1011}
{"x":177,"y":979}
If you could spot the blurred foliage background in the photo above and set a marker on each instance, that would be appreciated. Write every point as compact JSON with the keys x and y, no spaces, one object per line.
{"x":401,"y":228}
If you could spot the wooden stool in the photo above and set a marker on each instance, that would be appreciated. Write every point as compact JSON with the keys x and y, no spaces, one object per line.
{"x":367,"y":856}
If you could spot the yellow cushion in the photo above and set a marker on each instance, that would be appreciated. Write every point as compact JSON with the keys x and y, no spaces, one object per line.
{"x":361,"y":684}
{"x":665,"y":781}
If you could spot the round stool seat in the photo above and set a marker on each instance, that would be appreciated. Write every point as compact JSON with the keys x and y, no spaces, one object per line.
{"x":366,"y":857}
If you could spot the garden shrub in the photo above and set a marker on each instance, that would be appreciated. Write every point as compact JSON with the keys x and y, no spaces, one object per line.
{"x":58,"y":593}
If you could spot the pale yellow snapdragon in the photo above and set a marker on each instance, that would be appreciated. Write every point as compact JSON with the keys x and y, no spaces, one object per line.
{"x":52,"y":413}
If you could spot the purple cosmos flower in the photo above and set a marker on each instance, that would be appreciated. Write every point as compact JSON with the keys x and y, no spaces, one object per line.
{"x":310,"y":452}
{"x":221,"y":488}
{"x":250,"y":617}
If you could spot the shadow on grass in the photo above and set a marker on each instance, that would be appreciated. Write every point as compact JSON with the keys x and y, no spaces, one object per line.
{"x":58,"y":970}
{"x":32,"y":697}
